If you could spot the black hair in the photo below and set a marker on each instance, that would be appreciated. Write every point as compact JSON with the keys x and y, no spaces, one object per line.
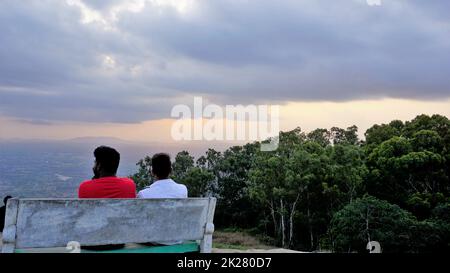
{"x":161,"y":165}
{"x":108,"y":158}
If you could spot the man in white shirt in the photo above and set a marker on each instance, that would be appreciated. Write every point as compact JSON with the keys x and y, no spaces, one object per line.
{"x":163,"y":187}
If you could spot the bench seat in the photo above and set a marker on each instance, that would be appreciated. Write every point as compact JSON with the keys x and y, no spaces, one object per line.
{"x":50,"y":225}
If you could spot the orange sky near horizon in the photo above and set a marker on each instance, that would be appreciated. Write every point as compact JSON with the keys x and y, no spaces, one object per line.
{"x":307,"y":115}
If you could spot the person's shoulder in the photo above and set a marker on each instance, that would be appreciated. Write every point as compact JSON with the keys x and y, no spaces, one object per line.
{"x":179,"y":184}
{"x":182,"y":187}
{"x":86,"y":183}
{"x":126,"y":180}
{"x":144,"y":192}
{"x":85,"y":189}
{"x":149,"y":188}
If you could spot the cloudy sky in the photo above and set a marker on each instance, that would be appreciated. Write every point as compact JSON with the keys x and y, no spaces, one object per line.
{"x":116,"y":68}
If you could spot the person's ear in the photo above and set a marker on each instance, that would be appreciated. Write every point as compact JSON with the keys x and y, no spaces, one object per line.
{"x":96,"y":168}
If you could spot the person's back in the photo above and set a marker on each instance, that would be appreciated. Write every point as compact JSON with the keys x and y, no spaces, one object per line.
{"x":163,"y":187}
{"x":108,"y":187}
{"x":105,"y":184}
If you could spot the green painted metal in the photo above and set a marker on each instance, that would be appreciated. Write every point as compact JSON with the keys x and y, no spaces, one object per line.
{"x":181,"y":248}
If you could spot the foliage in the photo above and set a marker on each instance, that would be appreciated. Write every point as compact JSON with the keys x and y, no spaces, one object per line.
{"x":370,"y":219}
{"x":143,"y":178}
{"x":318,"y":189}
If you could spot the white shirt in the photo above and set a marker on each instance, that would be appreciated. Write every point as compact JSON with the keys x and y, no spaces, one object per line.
{"x":165,"y":188}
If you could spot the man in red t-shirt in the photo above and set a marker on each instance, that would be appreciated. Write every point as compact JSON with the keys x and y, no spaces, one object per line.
{"x":105,"y":184}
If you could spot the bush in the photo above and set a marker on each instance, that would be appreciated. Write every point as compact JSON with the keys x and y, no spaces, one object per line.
{"x":431,"y":236}
{"x":371,"y":219}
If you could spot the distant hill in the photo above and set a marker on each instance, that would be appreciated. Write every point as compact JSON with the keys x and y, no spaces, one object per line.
{"x":88,"y":139}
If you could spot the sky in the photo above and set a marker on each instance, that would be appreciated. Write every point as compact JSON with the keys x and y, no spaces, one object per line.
{"x":116,"y":68}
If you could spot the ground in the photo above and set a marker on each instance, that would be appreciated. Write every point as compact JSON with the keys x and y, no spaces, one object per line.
{"x":237,"y":240}
{"x":234,"y":242}
{"x":226,"y":241}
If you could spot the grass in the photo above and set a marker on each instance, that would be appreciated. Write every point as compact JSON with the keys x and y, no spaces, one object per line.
{"x":237,"y":239}
{"x":228,"y":246}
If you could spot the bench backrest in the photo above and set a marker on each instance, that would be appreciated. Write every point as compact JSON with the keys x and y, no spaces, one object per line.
{"x":42,"y":223}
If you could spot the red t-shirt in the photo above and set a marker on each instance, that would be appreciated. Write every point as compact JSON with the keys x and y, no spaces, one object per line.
{"x":108,"y":187}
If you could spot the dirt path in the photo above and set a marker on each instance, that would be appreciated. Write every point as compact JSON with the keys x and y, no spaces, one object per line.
{"x":275,"y":250}
{"x":243,"y":242}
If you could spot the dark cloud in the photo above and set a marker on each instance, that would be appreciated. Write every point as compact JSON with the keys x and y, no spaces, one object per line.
{"x":102,"y":4}
{"x":63,"y":61}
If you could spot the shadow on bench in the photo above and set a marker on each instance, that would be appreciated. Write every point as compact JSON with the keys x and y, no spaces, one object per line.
{"x":51,"y":225}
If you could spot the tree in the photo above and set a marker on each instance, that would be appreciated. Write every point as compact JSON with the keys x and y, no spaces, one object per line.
{"x":312,"y":191}
{"x":143,"y":178}
{"x":378,"y":134}
{"x":427,"y":140}
{"x":305,"y":171}
{"x":320,"y":136}
{"x":345,"y":180}
{"x":370,"y":219}
{"x":342,"y":136}
{"x":437,"y":123}
{"x":387,"y":178}
{"x":198,"y":179}
{"x":230,"y":171}
{"x":183,"y":162}
{"x":198,"y":182}
{"x":431,"y":235}
{"x":402,"y":169}
{"x":268,"y":185}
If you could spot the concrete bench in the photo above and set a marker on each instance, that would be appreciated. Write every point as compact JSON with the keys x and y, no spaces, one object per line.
{"x":53,"y":223}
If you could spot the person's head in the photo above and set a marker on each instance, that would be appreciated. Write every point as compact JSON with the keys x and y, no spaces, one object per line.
{"x":161,"y":166}
{"x":6,"y":199}
{"x":106,"y":161}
